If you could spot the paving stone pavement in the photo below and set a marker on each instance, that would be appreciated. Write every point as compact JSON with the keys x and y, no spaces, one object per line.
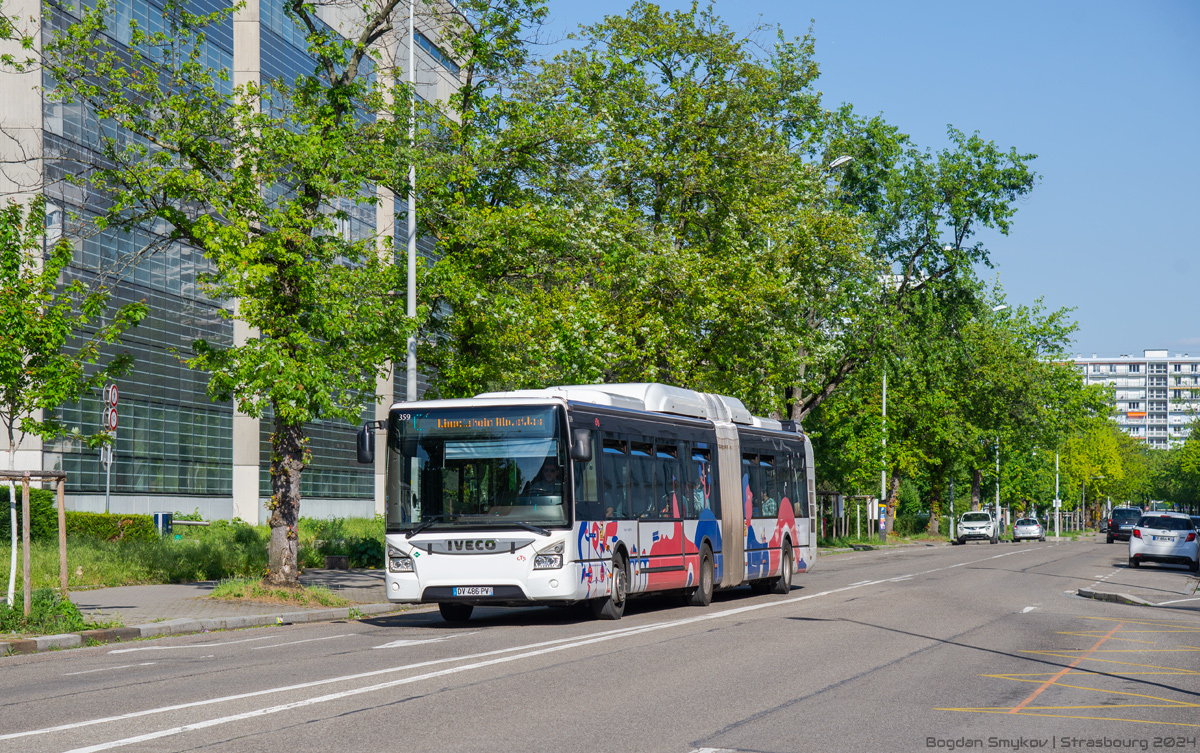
{"x":136,"y":605}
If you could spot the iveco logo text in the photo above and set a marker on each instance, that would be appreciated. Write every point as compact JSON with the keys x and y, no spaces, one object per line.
{"x":476,"y":545}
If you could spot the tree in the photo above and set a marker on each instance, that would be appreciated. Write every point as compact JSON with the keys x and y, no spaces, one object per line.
{"x":51,"y":337}
{"x":638,"y":208}
{"x":262,"y":180}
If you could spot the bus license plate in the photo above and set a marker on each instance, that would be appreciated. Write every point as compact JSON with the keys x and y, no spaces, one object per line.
{"x":472,"y":591}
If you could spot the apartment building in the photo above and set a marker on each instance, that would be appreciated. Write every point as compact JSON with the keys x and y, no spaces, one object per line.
{"x":175,"y":448}
{"x":1156,"y":395}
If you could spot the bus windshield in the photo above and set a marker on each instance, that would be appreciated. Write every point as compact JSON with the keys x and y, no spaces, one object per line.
{"x":476,"y":468}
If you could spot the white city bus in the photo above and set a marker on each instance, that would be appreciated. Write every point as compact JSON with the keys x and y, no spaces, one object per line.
{"x":590,"y":494}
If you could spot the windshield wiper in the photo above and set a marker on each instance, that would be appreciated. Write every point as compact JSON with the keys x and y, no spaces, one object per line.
{"x":433,"y":519}
{"x":529,"y":527}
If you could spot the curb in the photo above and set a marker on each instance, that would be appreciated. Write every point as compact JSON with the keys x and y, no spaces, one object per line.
{"x":1088,"y":593}
{"x":184,"y":626}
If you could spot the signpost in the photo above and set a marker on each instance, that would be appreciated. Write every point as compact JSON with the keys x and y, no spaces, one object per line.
{"x":109,"y":425}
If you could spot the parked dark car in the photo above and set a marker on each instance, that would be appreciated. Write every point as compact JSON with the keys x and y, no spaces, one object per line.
{"x":1121,"y":521}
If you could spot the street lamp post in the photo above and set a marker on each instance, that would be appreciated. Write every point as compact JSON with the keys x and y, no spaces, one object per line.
{"x":1057,"y":501}
{"x":1000,"y":307}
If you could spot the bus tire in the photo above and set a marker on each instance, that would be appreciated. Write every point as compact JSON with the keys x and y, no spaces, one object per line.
{"x":612,"y":607}
{"x":784,"y":584}
{"x":455,"y":612}
{"x":701,"y":595}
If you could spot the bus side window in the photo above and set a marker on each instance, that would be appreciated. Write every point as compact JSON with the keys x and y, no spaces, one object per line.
{"x":704,"y":491}
{"x":800,"y":480}
{"x":587,"y":490}
{"x":670,"y":504}
{"x":615,"y":470}
{"x":641,"y":480}
{"x":749,"y":485}
{"x":772,"y":490}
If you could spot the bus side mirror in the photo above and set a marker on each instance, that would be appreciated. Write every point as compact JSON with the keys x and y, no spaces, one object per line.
{"x":366,"y":444}
{"x":581,"y":445}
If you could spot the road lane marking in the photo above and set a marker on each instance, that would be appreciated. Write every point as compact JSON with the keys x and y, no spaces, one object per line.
{"x":402,"y":643}
{"x":1017,"y":709}
{"x":1027,"y":610}
{"x":306,"y":640}
{"x":188,"y":645}
{"x":107,"y":669}
{"x":1177,"y":601}
{"x":607,"y":635}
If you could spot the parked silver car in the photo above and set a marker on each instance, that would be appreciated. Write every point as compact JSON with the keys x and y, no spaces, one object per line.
{"x":1168,"y":537}
{"x":1028,"y":529}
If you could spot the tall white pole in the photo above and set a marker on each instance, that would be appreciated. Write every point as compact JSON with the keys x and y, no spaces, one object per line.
{"x":997,"y":477}
{"x":411,"y":377}
{"x":12,"y":516}
{"x":883,"y":471}
{"x":1057,"y":502}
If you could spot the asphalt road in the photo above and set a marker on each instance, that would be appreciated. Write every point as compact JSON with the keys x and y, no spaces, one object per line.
{"x":940,"y":648}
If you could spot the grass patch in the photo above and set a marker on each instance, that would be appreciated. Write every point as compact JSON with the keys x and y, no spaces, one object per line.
{"x":49,"y":614}
{"x":252,"y":589}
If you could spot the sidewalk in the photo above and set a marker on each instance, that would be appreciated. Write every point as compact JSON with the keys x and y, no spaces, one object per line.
{"x":149,"y":611}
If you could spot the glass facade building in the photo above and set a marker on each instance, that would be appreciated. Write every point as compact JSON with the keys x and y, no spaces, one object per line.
{"x":175,"y":448}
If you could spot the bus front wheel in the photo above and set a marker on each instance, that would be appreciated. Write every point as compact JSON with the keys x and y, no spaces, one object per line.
{"x":701,"y":595}
{"x":612,"y":607}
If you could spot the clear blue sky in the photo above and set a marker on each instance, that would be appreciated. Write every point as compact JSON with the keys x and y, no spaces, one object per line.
{"x":1106,"y":94}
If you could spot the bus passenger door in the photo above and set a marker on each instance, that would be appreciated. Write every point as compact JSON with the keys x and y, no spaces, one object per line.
{"x":654,"y":488}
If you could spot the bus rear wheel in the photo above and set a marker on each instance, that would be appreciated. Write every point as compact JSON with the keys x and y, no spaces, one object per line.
{"x":784,"y":584}
{"x":612,"y":607}
{"x":701,"y":595}
{"x":453,"y":612}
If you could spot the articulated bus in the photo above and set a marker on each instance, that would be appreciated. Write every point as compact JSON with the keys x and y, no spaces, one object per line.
{"x":590,"y":494}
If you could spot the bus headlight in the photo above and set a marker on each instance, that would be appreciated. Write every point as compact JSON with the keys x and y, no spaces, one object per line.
{"x":550,"y":558}
{"x":398,"y":561}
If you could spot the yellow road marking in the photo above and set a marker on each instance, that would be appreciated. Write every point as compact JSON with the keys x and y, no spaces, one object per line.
{"x":1064,"y":671}
{"x":1072,"y":716}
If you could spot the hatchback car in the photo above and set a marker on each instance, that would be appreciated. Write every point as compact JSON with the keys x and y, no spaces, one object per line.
{"x":1028,"y":529}
{"x":973,"y":526}
{"x":1121,"y":521}
{"x":1168,"y":537}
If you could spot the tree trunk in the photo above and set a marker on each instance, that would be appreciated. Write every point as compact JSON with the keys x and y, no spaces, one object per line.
{"x":289,"y":455}
{"x":976,"y":486}
{"x":935,"y":500}
{"x":893,"y":490}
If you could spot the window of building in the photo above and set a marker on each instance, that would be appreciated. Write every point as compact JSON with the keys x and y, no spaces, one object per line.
{"x":1135,"y":368}
{"x":1095,"y":368}
{"x":425,"y":43}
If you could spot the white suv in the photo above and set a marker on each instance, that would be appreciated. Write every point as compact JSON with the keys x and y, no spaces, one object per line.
{"x":976,"y":526}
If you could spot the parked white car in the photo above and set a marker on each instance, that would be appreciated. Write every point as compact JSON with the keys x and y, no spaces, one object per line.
{"x":1168,"y":537}
{"x":976,"y":526}
{"x":1028,"y":529}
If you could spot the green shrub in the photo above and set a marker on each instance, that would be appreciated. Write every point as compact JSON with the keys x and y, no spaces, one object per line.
{"x":111,"y":526}
{"x":49,"y":614}
{"x":43,"y":514}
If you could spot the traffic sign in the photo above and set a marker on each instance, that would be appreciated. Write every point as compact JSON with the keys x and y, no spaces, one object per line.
{"x":110,"y":419}
{"x":112,"y":395}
